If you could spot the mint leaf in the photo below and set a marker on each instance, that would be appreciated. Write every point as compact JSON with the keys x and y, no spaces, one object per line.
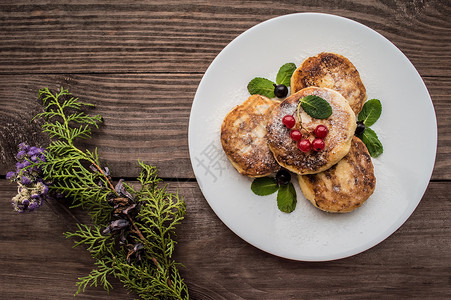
{"x":261,"y":86}
{"x":284,"y":74}
{"x":286,"y":198}
{"x":371,"y":111}
{"x":264,"y":186}
{"x":316,"y":107}
{"x":369,"y":137}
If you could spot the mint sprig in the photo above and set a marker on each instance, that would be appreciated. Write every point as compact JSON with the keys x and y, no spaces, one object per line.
{"x":315,"y":106}
{"x":261,"y":86}
{"x":286,"y":198}
{"x":264,"y":186}
{"x":286,"y":194}
{"x":285,"y":73}
{"x":370,"y":113}
{"x":370,"y":139}
{"x":265,"y":87}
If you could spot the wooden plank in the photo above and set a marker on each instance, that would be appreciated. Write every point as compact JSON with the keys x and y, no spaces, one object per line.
{"x":146,"y":117}
{"x":414,"y":262}
{"x":439,"y":89}
{"x":167,"y":36}
{"x":37,"y":261}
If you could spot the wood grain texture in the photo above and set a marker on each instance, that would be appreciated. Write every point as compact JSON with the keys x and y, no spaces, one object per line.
{"x":415,"y":262}
{"x":37,"y":261}
{"x":161,"y":36}
{"x":144,"y":116}
{"x":440,"y":91}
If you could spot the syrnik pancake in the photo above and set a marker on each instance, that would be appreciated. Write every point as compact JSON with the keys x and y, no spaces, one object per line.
{"x":341,"y":125}
{"x":346,"y":185}
{"x":243,"y":137}
{"x":332,"y":71}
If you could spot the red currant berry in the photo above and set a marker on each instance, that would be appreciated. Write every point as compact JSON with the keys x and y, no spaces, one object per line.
{"x":304,"y":145}
{"x":295,"y":135}
{"x":288,"y":121}
{"x":318,"y":144}
{"x":321,"y":131}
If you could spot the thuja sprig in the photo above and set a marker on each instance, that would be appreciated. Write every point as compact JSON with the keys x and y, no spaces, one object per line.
{"x":58,"y":124}
{"x":144,"y":264}
{"x":133,"y":235}
{"x":55,"y":107}
{"x":65,"y":122}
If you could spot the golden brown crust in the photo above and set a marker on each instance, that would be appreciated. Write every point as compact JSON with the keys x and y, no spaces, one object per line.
{"x":243,"y":137}
{"x":346,"y":185}
{"x":341,"y":125}
{"x":332,"y":71}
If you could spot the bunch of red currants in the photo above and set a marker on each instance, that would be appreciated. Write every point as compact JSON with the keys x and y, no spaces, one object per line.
{"x":304,"y":144}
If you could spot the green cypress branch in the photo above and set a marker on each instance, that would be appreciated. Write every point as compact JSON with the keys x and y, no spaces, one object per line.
{"x":133,"y":233}
{"x":96,"y":277}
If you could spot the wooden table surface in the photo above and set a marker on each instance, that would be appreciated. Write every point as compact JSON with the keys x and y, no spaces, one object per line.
{"x":140,"y":62}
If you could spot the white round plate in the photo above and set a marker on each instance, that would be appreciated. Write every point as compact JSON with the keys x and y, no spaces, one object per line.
{"x":402,"y":171}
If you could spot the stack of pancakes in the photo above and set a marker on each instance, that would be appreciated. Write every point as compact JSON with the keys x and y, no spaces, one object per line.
{"x":337,"y":179}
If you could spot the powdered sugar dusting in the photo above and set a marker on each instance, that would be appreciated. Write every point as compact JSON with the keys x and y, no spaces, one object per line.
{"x":243,"y":136}
{"x":341,"y":126}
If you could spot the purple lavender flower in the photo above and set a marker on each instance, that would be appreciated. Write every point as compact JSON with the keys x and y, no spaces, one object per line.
{"x":32,"y":190}
{"x":32,"y":206}
{"x":21,"y":204}
{"x":25,"y":180}
{"x":23,"y":147}
{"x":45,"y":189}
{"x":21,"y":154}
{"x":10,"y":175}
{"x":19,"y":166}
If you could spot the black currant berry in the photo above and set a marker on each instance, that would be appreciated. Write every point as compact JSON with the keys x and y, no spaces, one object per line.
{"x":283,"y":177}
{"x":360,"y":128}
{"x":280,"y":91}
